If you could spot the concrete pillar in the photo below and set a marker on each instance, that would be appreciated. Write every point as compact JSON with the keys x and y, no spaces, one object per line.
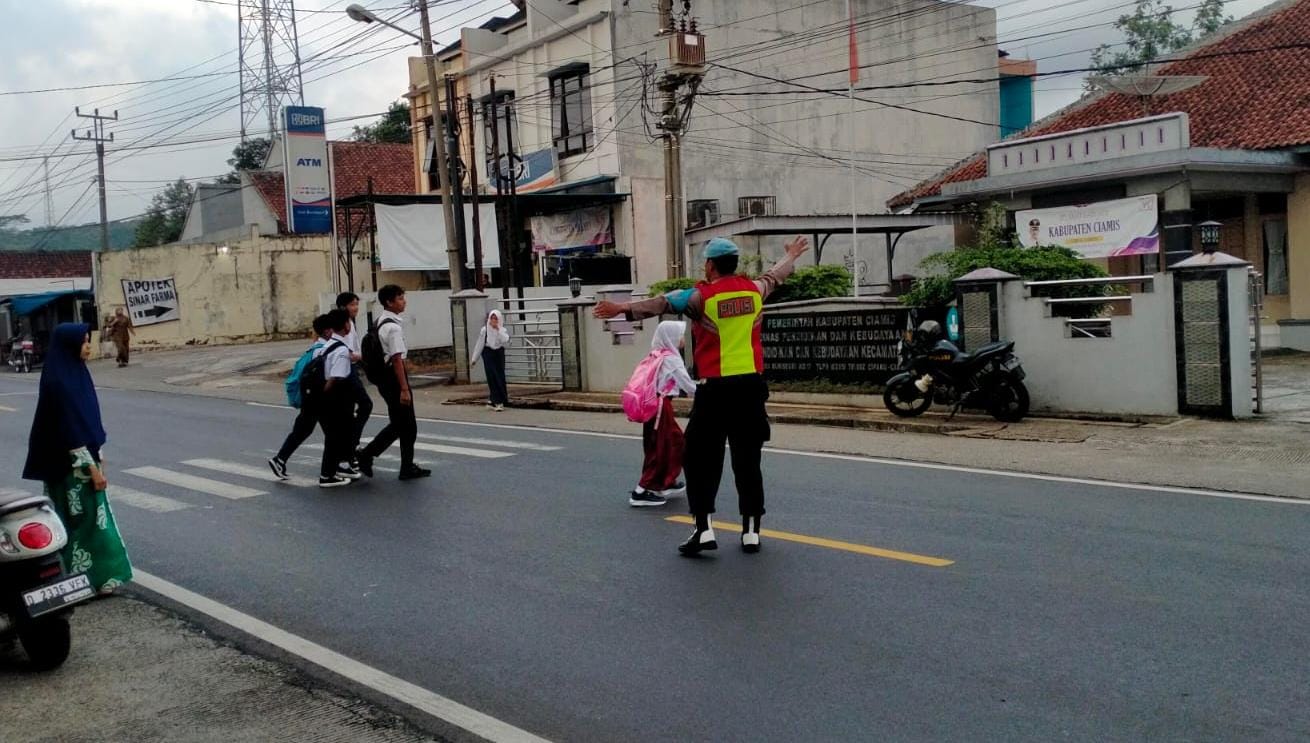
{"x":1212,"y":303}
{"x":575,"y":322}
{"x":979,"y":295}
{"x":621,"y":329}
{"x":468,"y":314}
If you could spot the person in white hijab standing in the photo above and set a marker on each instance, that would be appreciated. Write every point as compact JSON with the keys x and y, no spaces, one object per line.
{"x":661,"y":437}
{"x":490,"y":349}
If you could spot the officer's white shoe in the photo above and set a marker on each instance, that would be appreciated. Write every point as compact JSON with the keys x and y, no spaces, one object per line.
{"x":699,"y":541}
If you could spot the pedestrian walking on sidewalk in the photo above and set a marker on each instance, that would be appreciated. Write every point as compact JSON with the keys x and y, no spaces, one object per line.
{"x":725,"y":311}
{"x":335,"y":404}
{"x":121,"y":332}
{"x":307,"y":419}
{"x":64,"y":452}
{"x":363,"y":405}
{"x":661,"y":436}
{"x":393,"y":385}
{"x":492,"y":342}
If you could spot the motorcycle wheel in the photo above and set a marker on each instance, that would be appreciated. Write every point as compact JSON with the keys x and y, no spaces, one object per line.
{"x":47,"y":643}
{"x":1009,"y":400}
{"x":905,"y":400}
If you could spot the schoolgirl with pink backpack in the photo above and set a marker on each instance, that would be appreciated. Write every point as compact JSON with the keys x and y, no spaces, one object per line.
{"x":648,"y":399}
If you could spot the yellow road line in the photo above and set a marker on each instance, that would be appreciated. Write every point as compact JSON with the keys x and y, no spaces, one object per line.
{"x":859,"y":549}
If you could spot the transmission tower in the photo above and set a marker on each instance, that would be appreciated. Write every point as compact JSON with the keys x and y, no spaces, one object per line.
{"x":269,"y":58}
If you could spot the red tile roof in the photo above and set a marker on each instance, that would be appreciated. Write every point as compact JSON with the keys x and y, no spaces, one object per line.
{"x":391,"y":166}
{"x":45,"y":265}
{"x":1257,"y":96}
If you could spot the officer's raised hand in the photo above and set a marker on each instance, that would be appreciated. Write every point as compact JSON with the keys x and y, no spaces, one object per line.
{"x":798,"y":247}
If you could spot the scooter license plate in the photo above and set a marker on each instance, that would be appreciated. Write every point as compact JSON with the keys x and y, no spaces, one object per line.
{"x":58,"y":596}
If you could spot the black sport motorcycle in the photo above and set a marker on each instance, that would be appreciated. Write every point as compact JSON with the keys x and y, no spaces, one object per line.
{"x":934,"y":369}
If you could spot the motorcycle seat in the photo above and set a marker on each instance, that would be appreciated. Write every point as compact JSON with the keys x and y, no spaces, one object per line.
{"x":991,"y":349}
{"x":16,"y":500}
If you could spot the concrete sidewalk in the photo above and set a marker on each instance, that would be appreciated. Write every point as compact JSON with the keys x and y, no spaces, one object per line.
{"x":1264,"y":456}
{"x":140,"y":674}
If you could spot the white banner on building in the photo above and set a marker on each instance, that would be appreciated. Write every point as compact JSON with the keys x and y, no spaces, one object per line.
{"x":1102,"y":230}
{"x":588,"y":227}
{"x":412,"y":237}
{"x":151,"y":301}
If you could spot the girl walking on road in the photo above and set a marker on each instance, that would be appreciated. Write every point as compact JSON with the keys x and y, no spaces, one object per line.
{"x":661,"y":436}
{"x":64,"y":452}
{"x":492,"y":340}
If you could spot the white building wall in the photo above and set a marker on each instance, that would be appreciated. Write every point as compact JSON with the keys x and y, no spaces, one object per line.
{"x":792,"y":147}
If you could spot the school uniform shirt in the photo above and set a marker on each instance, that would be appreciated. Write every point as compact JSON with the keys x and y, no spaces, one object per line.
{"x":337,"y":365}
{"x":352,"y":338}
{"x":392,"y":336}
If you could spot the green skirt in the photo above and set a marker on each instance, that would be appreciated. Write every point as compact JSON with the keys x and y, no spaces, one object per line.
{"x":94,"y":544}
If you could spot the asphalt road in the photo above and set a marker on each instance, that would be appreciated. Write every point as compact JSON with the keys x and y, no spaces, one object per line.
{"x":525,"y":587}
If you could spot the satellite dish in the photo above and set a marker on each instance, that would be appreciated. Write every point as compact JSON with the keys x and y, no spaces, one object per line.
{"x":1146,"y":86}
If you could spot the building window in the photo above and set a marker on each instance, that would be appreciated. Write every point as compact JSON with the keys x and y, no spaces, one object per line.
{"x":502,"y":122}
{"x":1275,"y":239}
{"x":570,"y":112}
{"x":702,"y":213}
{"x":756,"y":206}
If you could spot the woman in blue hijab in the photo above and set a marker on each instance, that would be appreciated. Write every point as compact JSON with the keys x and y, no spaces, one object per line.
{"x":64,"y":453}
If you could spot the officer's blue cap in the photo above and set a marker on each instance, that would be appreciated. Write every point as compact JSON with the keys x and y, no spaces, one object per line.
{"x":719,"y":247}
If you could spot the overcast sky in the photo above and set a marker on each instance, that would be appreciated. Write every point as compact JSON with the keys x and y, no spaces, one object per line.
{"x":356,"y":70}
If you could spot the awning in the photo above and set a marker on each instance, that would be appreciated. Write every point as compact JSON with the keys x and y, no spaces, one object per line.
{"x":29,"y":303}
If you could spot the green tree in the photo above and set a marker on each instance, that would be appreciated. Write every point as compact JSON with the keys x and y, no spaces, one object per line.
{"x":249,"y":155}
{"x":164,"y":220}
{"x":392,"y":127}
{"x":1150,"y":33}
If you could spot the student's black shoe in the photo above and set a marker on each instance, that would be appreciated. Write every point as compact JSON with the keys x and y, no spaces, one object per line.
{"x":699,"y":541}
{"x":364,"y":463}
{"x":679,"y":488}
{"x":414,"y":472}
{"x":348,"y":472}
{"x":645,"y":499}
{"x":336,"y":481}
{"x":279,"y":468}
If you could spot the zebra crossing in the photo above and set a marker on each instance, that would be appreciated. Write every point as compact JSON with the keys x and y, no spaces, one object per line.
{"x":189,"y":482}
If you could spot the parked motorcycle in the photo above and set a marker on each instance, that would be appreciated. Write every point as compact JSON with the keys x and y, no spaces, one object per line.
{"x":36,"y":592}
{"x":934,"y":369}
{"x":22,"y":354}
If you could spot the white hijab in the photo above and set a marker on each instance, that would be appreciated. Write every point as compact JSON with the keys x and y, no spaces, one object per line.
{"x":496,"y":337}
{"x":673,"y":371}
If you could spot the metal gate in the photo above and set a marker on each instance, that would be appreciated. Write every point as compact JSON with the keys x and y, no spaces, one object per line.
{"x":1201,"y":323}
{"x":1257,"y":341}
{"x":533,"y":355}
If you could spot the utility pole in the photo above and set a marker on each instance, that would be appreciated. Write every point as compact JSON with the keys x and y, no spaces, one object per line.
{"x":472,"y":168}
{"x":494,"y":173}
{"x":439,"y":154}
{"x":686,"y":70}
{"x":457,"y":189}
{"x":97,"y":134}
{"x":515,"y":226}
{"x":49,"y":202}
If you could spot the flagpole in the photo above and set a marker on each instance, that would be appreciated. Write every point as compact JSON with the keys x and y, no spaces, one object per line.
{"x":855,"y":204}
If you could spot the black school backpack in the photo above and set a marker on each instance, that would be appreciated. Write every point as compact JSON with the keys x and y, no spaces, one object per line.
{"x":373,"y":358}
{"x":314,"y":377}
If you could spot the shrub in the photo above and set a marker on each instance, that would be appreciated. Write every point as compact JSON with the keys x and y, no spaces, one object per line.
{"x":1045,"y":263}
{"x":815,"y":282}
{"x":671,"y":285}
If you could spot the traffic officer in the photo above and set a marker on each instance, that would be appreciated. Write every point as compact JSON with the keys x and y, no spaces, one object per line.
{"x":725,"y":311}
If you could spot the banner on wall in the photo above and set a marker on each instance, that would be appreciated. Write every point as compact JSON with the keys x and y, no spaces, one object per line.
{"x":412,"y":237}
{"x":535,"y":170}
{"x":1106,"y":229}
{"x":304,"y":151}
{"x":580,"y":228}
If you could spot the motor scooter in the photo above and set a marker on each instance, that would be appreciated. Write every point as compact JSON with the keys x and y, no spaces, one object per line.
{"x":22,"y":354}
{"x":37,"y":593}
